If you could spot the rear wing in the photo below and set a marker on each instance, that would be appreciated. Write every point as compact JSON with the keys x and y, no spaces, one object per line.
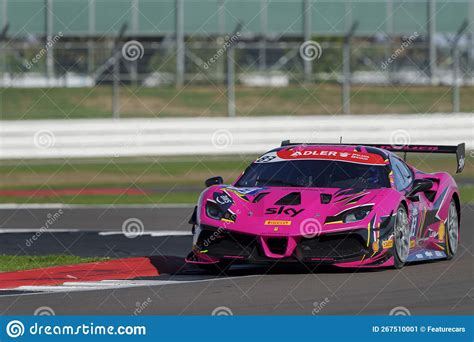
{"x":459,"y":150}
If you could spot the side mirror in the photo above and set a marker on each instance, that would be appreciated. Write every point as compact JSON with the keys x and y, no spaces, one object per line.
{"x":214,"y":180}
{"x":420,"y":185}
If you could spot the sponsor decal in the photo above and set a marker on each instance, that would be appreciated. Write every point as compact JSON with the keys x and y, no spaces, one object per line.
{"x":326,"y":154}
{"x":461,"y":163}
{"x":387,"y":244}
{"x":292,"y":212}
{"x":375,"y":246}
{"x":419,"y":256}
{"x":413,"y":220}
{"x":229,"y":217}
{"x":223,"y":200}
{"x":412,"y":244}
{"x":441,"y":231}
{"x":246,"y":191}
{"x":277,"y":223}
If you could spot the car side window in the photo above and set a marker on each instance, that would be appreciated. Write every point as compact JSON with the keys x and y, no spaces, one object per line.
{"x":402,"y":174}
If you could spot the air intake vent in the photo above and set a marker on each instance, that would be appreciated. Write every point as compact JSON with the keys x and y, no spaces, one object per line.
{"x":259,"y":197}
{"x":293,"y":198}
{"x":325,"y":198}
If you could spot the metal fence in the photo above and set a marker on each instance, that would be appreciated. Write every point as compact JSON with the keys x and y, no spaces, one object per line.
{"x":402,"y":61}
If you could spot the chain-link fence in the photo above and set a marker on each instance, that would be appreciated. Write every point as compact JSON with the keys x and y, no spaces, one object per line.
{"x":371,"y":62}
{"x":146,"y":64}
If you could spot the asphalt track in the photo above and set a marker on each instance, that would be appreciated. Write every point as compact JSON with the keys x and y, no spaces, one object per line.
{"x":430,"y":288}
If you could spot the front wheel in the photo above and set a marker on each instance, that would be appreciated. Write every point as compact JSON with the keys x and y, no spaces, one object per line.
{"x":401,"y":232}
{"x":452,"y":231}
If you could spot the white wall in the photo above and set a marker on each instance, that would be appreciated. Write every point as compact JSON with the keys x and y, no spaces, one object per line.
{"x":143,"y":137}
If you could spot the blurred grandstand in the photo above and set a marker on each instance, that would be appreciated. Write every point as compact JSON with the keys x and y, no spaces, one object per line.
{"x":177,"y":37}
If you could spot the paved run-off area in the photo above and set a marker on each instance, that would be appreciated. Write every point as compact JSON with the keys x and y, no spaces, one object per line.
{"x":443,"y":287}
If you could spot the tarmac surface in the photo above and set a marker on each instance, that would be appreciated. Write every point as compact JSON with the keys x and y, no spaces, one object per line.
{"x":428,"y":288}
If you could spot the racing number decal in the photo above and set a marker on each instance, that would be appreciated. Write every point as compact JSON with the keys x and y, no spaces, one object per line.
{"x":265,"y":159}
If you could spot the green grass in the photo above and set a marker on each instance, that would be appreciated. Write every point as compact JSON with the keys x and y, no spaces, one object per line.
{"x":169,"y":179}
{"x":56,"y":103}
{"x":9,"y":263}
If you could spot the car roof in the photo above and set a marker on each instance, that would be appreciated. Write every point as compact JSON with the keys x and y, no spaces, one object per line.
{"x":339,"y":147}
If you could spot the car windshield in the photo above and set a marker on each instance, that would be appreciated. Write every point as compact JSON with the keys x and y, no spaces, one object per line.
{"x":315,"y":174}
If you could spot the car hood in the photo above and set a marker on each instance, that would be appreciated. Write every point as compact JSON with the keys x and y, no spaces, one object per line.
{"x":293,"y":210}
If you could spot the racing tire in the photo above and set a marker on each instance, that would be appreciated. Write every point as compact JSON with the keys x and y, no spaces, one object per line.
{"x":401,"y":237}
{"x":452,"y":231}
{"x":219,"y":268}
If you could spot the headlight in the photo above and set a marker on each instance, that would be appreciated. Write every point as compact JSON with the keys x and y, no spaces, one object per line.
{"x":350,"y":215}
{"x":356,"y":214}
{"x":214,"y":211}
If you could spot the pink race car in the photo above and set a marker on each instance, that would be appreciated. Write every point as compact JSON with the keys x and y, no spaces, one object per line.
{"x":344,"y":205}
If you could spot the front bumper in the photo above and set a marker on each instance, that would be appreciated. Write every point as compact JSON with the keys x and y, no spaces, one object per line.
{"x":350,"y":248}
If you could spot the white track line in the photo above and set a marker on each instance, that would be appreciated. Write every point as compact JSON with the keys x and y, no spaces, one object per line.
{"x":33,"y":231}
{"x":106,"y":285}
{"x":152,"y":234}
{"x":95,"y":206}
{"x":158,"y":233}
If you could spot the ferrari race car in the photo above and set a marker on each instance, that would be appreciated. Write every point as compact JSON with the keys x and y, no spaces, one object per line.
{"x":344,"y":205}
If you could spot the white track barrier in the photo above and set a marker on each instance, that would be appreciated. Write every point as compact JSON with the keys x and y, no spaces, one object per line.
{"x":205,"y":136}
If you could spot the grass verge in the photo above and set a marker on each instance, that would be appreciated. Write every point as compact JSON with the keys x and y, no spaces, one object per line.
{"x":192,"y":100}
{"x":165,"y":179}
